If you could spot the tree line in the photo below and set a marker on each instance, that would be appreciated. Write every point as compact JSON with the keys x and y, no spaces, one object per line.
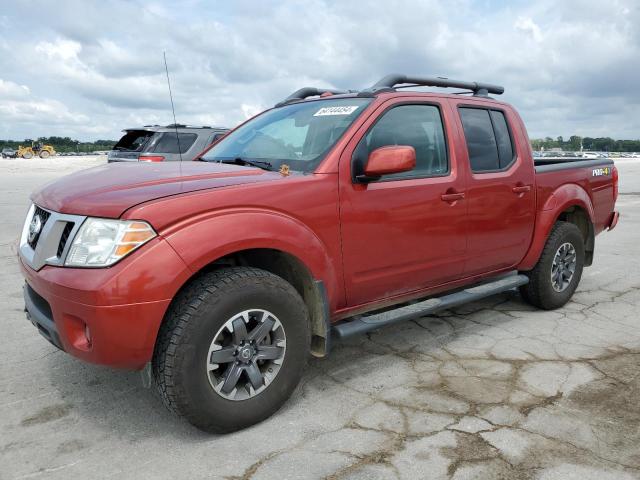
{"x":576,"y":143}
{"x":61,"y":144}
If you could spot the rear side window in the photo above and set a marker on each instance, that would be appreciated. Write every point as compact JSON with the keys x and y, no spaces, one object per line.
{"x":168,"y":143}
{"x":488,"y":139}
{"x":503,"y":138}
{"x":418,"y":126}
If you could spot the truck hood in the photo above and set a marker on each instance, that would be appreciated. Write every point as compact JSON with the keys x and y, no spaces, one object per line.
{"x":109,"y":190}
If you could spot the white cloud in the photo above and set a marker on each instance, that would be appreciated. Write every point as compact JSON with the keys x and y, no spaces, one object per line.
{"x":529,"y":26}
{"x":10,"y":90}
{"x":59,"y":50}
{"x":19,"y":106}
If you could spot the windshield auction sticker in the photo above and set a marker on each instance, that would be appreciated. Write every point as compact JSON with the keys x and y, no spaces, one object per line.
{"x":344,"y":110}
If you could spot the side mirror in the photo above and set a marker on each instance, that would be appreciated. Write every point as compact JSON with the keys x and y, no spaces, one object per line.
{"x":387,"y":160}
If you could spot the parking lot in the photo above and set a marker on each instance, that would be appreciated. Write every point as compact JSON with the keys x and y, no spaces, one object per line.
{"x":494,"y":389}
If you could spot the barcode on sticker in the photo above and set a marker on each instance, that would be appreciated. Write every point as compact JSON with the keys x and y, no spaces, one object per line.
{"x":345,"y":110}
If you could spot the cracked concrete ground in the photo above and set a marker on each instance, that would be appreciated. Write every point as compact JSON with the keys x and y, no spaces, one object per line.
{"x":494,"y":389}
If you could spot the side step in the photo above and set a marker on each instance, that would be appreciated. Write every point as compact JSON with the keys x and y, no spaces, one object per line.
{"x":366,"y":323}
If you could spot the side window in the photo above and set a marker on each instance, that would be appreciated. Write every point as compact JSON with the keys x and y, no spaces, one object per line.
{"x":168,"y":143}
{"x":419,"y":126}
{"x":481,"y":141}
{"x":488,"y":139}
{"x":505,"y":147}
{"x":216,"y":137}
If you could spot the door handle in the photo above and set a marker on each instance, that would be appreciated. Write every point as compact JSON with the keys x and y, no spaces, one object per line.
{"x":452,"y":197}
{"x":521,"y":189}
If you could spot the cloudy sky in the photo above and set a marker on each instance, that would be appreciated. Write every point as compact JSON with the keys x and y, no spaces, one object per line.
{"x":89,"y":68}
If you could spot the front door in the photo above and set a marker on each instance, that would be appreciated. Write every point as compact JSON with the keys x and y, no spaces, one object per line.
{"x":406,"y":231}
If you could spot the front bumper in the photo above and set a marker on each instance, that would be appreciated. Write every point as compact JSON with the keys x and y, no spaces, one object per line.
{"x":105,"y":316}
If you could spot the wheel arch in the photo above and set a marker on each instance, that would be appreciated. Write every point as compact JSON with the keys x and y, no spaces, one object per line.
{"x":294,"y":271}
{"x":272,"y":241}
{"x":569,"y":203}
{"x":580,"y":218}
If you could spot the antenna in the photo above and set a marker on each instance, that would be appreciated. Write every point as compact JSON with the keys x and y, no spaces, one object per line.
{"x":175,"y":124}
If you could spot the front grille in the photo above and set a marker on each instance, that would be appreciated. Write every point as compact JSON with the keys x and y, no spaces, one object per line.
{"x":64,"y":237}
{"x":40,"y":245}
{"x":44,"y":216}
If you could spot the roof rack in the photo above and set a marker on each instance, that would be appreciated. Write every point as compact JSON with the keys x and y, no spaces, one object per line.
{"x":181,"y":125}
{"x":388,"y":82}
{"x":310,"y":92}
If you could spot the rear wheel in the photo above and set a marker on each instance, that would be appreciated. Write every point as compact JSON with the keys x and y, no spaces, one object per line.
{"x":559,"y":269}
{"x":44,"y":154}
{"x":232,"y":348}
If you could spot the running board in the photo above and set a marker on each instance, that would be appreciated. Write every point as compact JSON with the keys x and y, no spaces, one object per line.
{"x":366,"y":323}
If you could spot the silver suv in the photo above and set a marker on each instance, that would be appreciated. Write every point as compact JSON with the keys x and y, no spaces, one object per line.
{"x":154,"y":143}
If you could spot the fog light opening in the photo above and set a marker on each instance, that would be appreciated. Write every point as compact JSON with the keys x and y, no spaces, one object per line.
{"x":87,"y":334}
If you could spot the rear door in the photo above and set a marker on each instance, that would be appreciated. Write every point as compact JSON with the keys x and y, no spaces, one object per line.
{"x":403,"y":233}
{"x":500,"y":194}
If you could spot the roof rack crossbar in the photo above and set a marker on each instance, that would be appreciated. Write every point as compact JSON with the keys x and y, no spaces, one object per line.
{"x":480,"y":89}
{"x":309,"y":92}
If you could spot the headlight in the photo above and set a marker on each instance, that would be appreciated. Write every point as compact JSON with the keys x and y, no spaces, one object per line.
{"x":102,"y":242}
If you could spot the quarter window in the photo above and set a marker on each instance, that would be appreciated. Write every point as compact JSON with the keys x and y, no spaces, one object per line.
{"x":168,"y":143}
{"x":488,"y":139}
{"x":418,"y":126}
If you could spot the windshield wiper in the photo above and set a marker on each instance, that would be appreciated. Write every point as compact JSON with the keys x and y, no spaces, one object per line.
{"x":254,"y":163}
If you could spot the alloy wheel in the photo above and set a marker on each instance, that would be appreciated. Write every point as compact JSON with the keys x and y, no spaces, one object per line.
{"x":246,"y":354}
{"x":563,"y":267}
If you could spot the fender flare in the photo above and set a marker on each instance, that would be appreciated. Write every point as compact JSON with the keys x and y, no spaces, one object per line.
{"x":563,"y":198}
{"x":209,"y":237}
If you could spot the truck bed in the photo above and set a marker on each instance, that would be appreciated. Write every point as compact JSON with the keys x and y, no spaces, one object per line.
{"x":593,"y":176}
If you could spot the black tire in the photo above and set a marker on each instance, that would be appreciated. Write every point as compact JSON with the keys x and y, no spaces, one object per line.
{"x":540,"y":291}
{"x":189,"y":327}
{"x":44,"y":154}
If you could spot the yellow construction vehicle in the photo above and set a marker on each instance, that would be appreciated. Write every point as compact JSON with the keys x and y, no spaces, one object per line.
{"x":36,"y":148}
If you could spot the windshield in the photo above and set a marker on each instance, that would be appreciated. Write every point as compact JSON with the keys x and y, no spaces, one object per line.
{"x":298,"y":135}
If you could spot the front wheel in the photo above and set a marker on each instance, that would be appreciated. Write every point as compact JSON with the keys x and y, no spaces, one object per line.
{"x":232,"y":348}
{"x":559,"y":269}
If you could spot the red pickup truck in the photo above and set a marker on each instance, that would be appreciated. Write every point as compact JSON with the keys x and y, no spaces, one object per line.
{"x":331,"y":214}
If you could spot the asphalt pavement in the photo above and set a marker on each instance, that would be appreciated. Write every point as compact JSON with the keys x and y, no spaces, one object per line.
{"x":493,"y":389}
